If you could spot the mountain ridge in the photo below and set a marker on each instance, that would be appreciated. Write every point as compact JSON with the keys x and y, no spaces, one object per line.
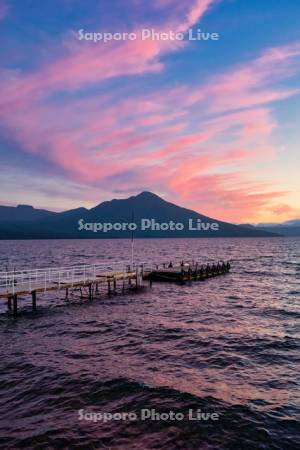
{"x":44,"y":224}
{"x":290,"y":228}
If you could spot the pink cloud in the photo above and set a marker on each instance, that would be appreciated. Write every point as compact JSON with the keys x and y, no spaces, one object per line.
{"x":283,"y":209}
{"x":199,"y":144}
{"x":199,"y":8}
{"x":248,"y":85}
{"x":83,"y":63}
{"x":219,"y":194}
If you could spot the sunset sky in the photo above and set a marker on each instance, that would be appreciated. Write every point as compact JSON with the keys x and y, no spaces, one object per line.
{"x":210,"y":125}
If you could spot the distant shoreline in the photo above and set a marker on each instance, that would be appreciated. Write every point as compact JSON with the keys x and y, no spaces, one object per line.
{"x":144,"y":238}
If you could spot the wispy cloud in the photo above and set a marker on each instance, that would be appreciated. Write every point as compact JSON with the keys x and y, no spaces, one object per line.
{"x":200,"y":143}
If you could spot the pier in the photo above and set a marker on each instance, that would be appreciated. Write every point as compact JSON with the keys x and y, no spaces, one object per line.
{"x":94,"y":281}
{"x":187,"y":272}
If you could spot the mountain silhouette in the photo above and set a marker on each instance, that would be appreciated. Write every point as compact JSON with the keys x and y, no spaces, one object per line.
{"x":26,"y":222}
{"x":290,"y":228}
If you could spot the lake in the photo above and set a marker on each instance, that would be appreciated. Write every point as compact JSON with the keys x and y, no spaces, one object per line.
{"x":227,"y":346}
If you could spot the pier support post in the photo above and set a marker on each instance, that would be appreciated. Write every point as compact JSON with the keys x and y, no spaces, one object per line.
{"x":67,"y":293}
{"x":108,"y":286}
{"x":15,"y":305}
{"x":9,"y":306}
{"x":33,"y":296}
{"x":136,"y":279}
{"x":90,"y":292}
{"x":150,"y":281}
{"x":123,"y":285}
{"x":115,"y":285}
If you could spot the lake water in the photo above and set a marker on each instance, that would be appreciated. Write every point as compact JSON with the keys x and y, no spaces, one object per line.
{"x":229,"y":345}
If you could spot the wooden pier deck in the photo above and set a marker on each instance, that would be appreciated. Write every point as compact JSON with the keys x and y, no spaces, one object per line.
{"x":17,"y":284}
{"x":187,"y":272}
{"x":89,"y":278}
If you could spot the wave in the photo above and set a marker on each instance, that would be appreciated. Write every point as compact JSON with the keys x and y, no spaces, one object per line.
{"x":57,"y":397}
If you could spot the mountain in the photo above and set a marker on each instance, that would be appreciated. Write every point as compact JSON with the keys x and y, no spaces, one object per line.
{"x":294,"y":222}
{"x":289,"y":228}
{"x":25,"y":222}
{"x":22,"y":213}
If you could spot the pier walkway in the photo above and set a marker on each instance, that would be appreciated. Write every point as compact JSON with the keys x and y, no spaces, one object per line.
{"x":89,"y":279}
{"x":17,"y":283}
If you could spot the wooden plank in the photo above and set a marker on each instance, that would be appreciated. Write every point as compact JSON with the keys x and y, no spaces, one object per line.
{"x":65,"y":284}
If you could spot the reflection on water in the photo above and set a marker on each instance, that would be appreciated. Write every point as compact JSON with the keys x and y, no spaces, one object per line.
{"x":229,"y":344}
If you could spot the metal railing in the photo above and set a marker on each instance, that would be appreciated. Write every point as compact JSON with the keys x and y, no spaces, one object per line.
{"x":44,"y":278}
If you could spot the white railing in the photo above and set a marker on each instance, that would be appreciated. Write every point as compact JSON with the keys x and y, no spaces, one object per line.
{"x":44,"y":278}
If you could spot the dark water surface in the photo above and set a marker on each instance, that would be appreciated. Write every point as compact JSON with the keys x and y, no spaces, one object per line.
{"x":229,"y":345}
